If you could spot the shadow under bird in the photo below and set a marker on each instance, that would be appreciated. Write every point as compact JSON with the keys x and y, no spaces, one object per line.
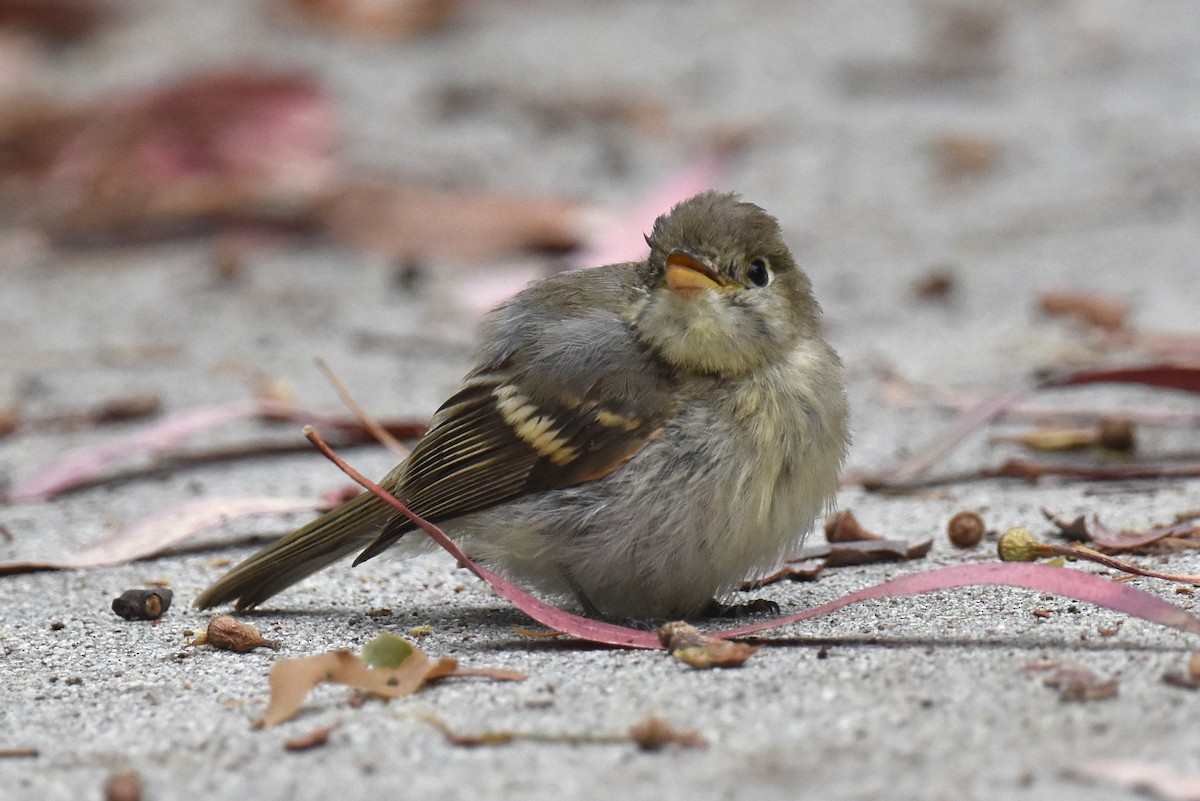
{"x":640,"y":437}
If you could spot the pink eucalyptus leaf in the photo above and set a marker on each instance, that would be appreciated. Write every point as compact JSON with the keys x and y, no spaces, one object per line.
{"x":1167,"y":376}
{"x":1061,"y":581}
{"x":622,"y":240}
{"x":154,"y":534}
{"x":84,"y":464}
{"x":1125,"y":540}
{"x":488,"y":289}
{"x":224,"y":146}
{"x":1155,"y":779}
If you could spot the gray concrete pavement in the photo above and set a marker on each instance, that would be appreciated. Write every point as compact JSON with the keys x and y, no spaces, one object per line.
{"x":1089,"y":112}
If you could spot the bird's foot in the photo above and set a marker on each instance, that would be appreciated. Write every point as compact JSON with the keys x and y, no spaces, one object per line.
{"x":757,"y":606}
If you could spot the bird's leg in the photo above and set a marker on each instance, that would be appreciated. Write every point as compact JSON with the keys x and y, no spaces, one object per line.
{"x":592,"y":611}
{"x":589,"y":608}
{"x":757,"y":606}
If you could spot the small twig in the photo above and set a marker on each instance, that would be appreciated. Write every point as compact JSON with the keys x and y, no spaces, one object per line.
{"x":1029,"y":471}
{"x":433,"y":531}
{"x":18,"y":752}
{"x":651,"y":734}
{"x":372,"y":425}
{"x":1084,"y":552}
{"x":504,"y":736}
{"x":314,"y":739}
{"x":174,"y":460}
{"x":1042,"y":415}
{"x":1020,"y":545}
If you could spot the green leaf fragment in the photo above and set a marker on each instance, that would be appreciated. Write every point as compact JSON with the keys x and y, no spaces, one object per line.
{"x":386,"y":651}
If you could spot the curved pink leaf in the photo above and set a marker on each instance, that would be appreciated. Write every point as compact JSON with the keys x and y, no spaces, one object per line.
{"x":154,"y":534}
{"x":1061,"y":581}
{"x":1168,"y":376}
{"x":83,"y":464}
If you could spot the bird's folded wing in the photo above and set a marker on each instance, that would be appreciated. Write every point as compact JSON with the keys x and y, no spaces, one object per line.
{"x":492,"y":442}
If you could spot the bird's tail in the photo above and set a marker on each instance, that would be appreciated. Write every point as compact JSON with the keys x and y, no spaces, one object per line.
{"x":349,"y":527}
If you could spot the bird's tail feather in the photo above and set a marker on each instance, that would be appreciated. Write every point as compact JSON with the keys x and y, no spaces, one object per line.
{"x":349,"y":527}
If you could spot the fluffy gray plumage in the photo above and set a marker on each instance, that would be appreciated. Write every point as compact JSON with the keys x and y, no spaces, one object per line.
{"x":640,"y":437}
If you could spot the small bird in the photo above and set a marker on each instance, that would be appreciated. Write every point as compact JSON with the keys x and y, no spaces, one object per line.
{"x":640,"y":437}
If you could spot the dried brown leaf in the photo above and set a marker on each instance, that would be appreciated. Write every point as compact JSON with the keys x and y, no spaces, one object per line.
{"x":477,"y":740}
{"x":1099,"y":312}
{"x":314,"y":739}
{"x":56,"y":20}
{"x":655,"y":734}
{"x":690,"y":646}
{"x":1116,"y":434}
{"x":9,"y":420}
{"x":377,"y":19}
{"x":937,"y":284}
{"x":292,"y":679}
{"x":209,"y":148}
{"x":407,"y":221}
{"x":795,"y":570}
{"x":1110,"y":434}
{"x":962,"y":155}
{"x":843,"y":526}
{"x":960,"y":45}
{"x":1076,"y":683}
{"x":1072,"y":528}
{"x":123,"y":409}
{"x":546,"y":634}
{"x":1033,"y":471}
{"x":1053,"y":440}
{"x":230,"y":634}
{"x":864,"y":552}
{"x":1189,"y":679}
{"x":1105,"y":539}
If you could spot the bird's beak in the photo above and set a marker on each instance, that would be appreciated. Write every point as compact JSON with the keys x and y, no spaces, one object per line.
{"x":686,"y":272}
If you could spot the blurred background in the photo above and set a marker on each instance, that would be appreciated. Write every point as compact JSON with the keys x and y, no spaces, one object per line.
{"x":197,"y":199}
{"x":200,"y":198}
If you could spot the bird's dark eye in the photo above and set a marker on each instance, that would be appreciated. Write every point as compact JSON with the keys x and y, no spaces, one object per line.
{"x":759,"y":273}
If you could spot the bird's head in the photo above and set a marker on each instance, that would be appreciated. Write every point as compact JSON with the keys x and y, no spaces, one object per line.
{"x":725,"y":296}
